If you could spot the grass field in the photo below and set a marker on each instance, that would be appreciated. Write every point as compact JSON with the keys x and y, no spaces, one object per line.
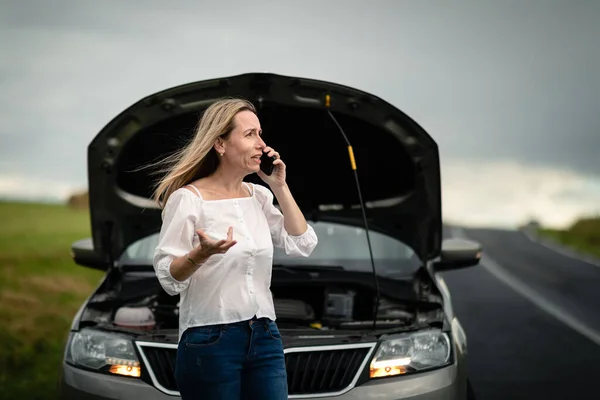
{"x":40,"y":292}
{"x":583,"y":236}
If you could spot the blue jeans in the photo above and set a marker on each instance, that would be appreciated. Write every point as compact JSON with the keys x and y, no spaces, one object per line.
{"x":242,"y":360}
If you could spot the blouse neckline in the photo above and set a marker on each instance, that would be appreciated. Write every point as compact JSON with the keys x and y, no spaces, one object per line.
{"x":199,"y":196}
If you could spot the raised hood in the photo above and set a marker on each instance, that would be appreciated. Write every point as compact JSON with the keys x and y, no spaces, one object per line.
{"x":397,"y":161}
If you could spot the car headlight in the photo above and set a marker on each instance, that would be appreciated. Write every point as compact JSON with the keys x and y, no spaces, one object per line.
{"x":104,"y":352}
{"x":411,"y":352}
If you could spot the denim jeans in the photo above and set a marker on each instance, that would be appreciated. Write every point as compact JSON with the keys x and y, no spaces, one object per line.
{"x":242,"y":360}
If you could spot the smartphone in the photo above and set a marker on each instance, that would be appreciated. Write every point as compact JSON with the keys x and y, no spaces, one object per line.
{"x":266,"y":163}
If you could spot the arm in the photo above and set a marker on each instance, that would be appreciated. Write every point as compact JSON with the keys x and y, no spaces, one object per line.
{"x":182,"y":268}
{"x":291,"y":232}
{"x":173,"y":270}
{"x":294,"y":221}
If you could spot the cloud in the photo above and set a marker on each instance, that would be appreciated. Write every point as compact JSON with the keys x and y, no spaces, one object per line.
{"x":503,"y":87}
{"x":508,"y":194}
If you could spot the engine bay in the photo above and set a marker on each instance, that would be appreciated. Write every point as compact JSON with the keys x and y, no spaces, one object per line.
{"x":139,"y":304}
{"x":321,"y":308}
{"x":329,"y":306}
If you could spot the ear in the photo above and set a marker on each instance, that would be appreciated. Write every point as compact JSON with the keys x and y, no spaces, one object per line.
{"x":220,"y":146}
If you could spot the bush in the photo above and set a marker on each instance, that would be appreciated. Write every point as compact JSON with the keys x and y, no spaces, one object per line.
{"x":582,"y":236}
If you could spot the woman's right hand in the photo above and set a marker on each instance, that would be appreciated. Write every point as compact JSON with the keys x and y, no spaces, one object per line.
{"x":208,"y":246}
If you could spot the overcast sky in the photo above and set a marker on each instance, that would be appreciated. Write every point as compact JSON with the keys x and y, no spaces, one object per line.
{"x":509,"y":89}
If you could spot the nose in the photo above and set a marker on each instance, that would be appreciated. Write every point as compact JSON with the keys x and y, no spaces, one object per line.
{"x":261,"y":143}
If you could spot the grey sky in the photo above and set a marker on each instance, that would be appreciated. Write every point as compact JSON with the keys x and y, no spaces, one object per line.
{"x":494,"y":82}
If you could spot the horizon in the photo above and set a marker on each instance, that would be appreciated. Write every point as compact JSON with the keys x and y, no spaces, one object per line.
{"x":449,"y":221}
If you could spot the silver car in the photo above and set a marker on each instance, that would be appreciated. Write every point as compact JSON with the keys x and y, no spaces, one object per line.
{"x":366,"y":316}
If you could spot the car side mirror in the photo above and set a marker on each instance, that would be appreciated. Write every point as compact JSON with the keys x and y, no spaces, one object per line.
{"x":458,"y":253}
{"x":82,"y":252}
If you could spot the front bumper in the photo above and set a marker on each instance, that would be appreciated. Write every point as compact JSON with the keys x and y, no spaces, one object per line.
{"x":78,"y":384}
{"x":442,"y":384}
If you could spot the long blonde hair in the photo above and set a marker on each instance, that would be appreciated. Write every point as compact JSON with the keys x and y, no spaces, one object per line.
{"x":199,"y":158}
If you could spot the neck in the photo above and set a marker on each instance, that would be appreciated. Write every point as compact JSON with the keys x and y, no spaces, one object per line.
{"x":229,"y":180}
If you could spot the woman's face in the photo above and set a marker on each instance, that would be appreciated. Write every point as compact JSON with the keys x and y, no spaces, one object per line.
{"x":244,"y":146}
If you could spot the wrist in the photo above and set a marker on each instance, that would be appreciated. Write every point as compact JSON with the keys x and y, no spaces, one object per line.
{"x":280,"y":189}
{"x":196,"y":258}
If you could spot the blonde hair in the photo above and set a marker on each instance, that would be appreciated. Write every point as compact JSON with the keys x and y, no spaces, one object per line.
{"x":199,"y":158}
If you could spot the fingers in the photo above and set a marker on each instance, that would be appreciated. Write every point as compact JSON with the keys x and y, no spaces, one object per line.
{"x":230,"y":242}
{"x":271,"y":152}
{"x":227,"y":246}
{"x":220,"y":246}
{"x":201,"y":234}
{"x":220,"y":243}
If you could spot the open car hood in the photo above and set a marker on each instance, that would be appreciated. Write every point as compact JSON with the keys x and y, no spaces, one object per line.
{"x":397,"y":161}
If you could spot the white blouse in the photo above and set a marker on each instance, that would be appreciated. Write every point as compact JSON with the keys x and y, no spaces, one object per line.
{"x":233,"y":286}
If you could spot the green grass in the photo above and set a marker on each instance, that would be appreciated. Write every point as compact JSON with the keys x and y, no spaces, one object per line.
{"x":40,"y":291}
{"x":583,"y":236}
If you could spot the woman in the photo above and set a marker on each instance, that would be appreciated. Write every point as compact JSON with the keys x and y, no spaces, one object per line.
{"x":216,"y":248}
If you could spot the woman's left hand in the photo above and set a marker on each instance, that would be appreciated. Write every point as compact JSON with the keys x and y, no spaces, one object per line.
{"x":277,"y":177}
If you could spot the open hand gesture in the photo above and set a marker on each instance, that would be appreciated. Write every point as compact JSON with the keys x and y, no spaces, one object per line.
{"x":209,"y":246}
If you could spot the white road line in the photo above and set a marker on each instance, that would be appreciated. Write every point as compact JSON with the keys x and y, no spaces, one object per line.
{"x":565,"y":252}
{"x":518,"y":286}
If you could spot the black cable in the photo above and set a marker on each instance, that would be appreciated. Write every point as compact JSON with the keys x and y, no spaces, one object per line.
{"x":362,"y":207}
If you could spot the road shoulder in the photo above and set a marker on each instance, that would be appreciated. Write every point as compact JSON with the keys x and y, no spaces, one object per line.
{"x":560,"y":248}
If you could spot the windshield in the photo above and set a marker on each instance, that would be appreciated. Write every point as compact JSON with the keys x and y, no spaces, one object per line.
{"x":343,"y":242}
{"x":339,"y":244}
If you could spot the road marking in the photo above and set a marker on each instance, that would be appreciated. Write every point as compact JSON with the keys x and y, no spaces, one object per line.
{"x":518,"y":286}
{"x":565,"y":252}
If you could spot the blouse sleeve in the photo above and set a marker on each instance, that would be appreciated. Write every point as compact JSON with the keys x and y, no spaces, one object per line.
{"x":175,"y":239}
{"x":295,"y":246}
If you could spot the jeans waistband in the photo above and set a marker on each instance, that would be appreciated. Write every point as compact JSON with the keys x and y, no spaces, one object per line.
{"x":252,"y":321}
{"x":247,"y":322}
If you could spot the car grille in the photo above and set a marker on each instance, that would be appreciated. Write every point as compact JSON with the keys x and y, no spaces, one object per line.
{"x":324,"y":371}
{"x":318,"y":370}
{"x":162,"y":362}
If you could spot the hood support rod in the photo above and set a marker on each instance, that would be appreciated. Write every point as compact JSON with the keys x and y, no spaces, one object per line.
{"x":362,"y":206}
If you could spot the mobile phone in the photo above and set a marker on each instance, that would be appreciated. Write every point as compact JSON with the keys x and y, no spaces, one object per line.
{"x":266,"y":163}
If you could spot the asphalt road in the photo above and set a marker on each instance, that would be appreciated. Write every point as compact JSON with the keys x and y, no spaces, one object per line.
{"x":518,"y":349}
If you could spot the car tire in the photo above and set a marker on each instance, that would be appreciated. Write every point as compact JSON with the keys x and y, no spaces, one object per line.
{"x":470,"y":391}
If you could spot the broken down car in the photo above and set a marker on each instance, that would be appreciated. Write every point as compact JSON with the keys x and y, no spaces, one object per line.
{"x":366,"y":316}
